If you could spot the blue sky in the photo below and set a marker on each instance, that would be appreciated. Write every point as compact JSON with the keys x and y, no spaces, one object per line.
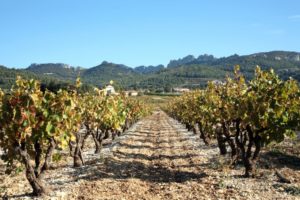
{"x":142,"y":32}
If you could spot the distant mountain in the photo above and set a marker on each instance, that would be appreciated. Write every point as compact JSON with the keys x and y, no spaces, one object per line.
{"x":56,"y":70}
{"x":189,"y":71}
{"x":148,"y":69}
{"x":190,"y":59}
{"x":181,"y":61}
{"x":279,"y":55}
{"x":205,"y":58}
{"x":8,"y":77}
{"x":197,"y":71}
{"x":103,"y":73}
{"x":285,"y":63}
{"x":273,"y":57}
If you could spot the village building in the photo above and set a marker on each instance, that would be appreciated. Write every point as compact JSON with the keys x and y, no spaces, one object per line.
{"x":132,"y":93}
{"x":110,"y":90}
{"x":181,"y":90}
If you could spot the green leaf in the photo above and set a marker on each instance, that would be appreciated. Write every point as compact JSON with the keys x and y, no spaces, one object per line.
{"x":49,"y":128}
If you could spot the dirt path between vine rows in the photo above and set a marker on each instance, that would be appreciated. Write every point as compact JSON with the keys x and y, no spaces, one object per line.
{"x":156,"y":159}
{"x":154,"y":162}
{"x":161,"y":160}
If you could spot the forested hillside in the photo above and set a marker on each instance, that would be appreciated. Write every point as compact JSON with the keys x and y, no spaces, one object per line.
{"x":100,"y":75}
{"x":188,"y":71}
{"x":57,"y":70}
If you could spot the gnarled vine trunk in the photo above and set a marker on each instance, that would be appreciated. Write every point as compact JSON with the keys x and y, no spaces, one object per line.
{"x":35,"y":183}
{"x":188,"y":126}
{"x":203,"y":135}
{"x":87,"y":134}
{"x":38,"y":156}
{"x":230,"y":140}
{"x":246,"y":140}
{"x":221,"y":141}
{"x":49,"y":154}
{"x":78,"y":159}
{"x":97,"y":143}
{"x":195,"y":129}
{"x":126,"y":125}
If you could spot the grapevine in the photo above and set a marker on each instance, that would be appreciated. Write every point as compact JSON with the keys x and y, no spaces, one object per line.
{"x":244,"y":116}
{"x":35,"y":123}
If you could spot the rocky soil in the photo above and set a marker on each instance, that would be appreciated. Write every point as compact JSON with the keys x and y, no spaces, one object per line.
{"x":159,"y":159}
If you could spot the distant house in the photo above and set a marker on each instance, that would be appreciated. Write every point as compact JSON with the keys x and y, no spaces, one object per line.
{"x":110,"y":90}
{"x":132,"y":93}
{"x":181,"y":90}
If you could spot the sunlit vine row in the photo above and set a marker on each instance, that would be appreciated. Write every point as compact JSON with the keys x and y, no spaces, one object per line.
{"x":35,"y":123}
{"x":243,"y":116}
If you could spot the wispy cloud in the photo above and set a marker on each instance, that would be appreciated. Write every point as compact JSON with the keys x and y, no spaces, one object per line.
{"x":294,"y":17}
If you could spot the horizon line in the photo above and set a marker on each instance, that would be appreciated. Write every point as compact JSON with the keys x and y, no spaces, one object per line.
{"x":165,"y":65}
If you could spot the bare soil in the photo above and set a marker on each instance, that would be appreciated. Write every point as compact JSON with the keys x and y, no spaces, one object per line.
{"x":158,"y":159}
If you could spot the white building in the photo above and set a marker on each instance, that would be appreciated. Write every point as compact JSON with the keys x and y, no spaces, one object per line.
{"x":181,"y":90}
{"x":110,"y":90}
{"x":132,"y":93}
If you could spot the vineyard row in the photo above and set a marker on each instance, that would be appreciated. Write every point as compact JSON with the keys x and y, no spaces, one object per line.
{"x":243,"y":115}
{"x":35,"y":123}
